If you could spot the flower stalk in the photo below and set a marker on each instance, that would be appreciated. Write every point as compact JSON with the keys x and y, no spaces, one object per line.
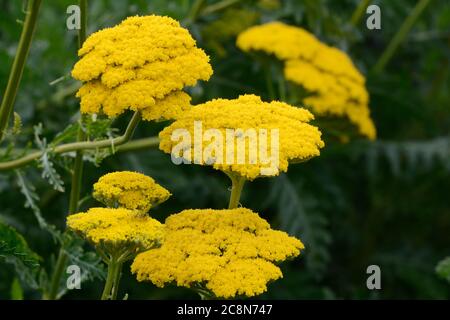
{"x":115,"y":261}
{"x":77,"y":171}
{"x":400,"y":36}
{"x":18,"y":64}
{"x":236,"y":190}
{"x":112,"y":280}
{"x":359,"y":12}
{"x":62,"y":257}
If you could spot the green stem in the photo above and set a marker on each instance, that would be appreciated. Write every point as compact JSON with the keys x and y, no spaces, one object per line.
{"x":133,"y":145}
{"x":83,"y":23}
{"x":400,"y":36}
{"x":78,"y":163}
{"x":115,"y":288}
{"x":139,"y":144}
{"x":359,"y":12}
{"x":59,"y":268}
{"x":76,"y":176}
{"x":18,"y":64}
{"x":62,"y":257}
{"x":219,"y":6}
{"x":195,"y":11}
{"x":237,"y":183}
{"x":76,"y":146}
{"x":77,"y":172}
{"x":110,"y":278}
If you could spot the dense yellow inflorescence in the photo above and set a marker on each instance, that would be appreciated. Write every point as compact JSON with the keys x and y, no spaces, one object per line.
{"x":336,"y":85}
{"x":117,"y":228}
{"x":129,"y":190}
{"x":228,"y":252}
{"x":298,"y":140}
{"x":142,"y":64}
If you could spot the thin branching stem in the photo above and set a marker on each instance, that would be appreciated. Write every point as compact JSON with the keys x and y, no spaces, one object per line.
{"x":359,"y":12}
{"x":77,"y":173}
{"x":76,"y":146}
{"x":400,"y":36}
{"x":15,"y":75}
{"x":219,"y":6}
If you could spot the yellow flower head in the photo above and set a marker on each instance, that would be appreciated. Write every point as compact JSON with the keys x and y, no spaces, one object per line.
{"x":283,"y":41}
{"x":142,"y":64}
{"x":116,"y":229}
{"x":336,"y":86}
{"x":227,"y":252}
{"x":254,"y":129}
{"x":129,"y":190}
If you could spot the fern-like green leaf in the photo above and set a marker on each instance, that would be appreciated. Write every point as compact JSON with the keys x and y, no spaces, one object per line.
{"x":409,"y":156}
{"x":48,"y":170}
{"x":28,"y":190}
{"x":299,"y":217}
{"x":69,"y":134}
{"x":88,"y":261}
{"x":14,"y":247}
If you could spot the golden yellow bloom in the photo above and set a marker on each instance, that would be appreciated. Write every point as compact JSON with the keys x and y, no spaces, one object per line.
{"x":129,"y":190}
{"x":115,"y":229}
{"x":229,"y":252}
{"x":336,"y":85}
{"x":298,"y":140}
{"x":141,"y":64}
{"x":283,"y":41}
{"x":333,"y":94}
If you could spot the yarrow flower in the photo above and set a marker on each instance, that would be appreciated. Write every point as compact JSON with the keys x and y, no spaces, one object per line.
{"x":130,"y":190}
{"x":122,"y":231}
{"x":227,"y":253}
{"x":297,"y":140}
{"x":336,"y":86}
{"x":142,"y":64}
{"x":117,"y":230}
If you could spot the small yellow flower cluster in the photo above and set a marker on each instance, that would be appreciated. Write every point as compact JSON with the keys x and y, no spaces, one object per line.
{"x":115,"y":229}
{"x":130,"y":190}
{"x":337,"y":87}
{"x":142,"y":64}
{"x":229,"y":252}
{"x":298,"y":140}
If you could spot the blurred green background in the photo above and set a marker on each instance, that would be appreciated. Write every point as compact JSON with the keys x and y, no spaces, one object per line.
{"x":384,"y":202}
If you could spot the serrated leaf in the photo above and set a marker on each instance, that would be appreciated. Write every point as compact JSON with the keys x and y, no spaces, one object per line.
{"x":50,"y":174}
{"x":14,"y":250}
{"x":89,"y":262}
{"x":298,"y":218}
{"x":28,"y":190}
{"x":48,"y":170}
{"x":98,"y":128}
{"x":17,"y":126}
{"x":69,"y":134}
{"x":408,"y":156}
